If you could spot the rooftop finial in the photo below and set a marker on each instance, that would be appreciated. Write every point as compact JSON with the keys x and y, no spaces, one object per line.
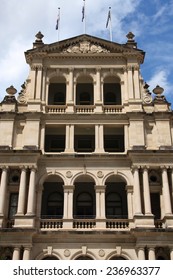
{"x":131,"y":42}
{"x":38,"y":41}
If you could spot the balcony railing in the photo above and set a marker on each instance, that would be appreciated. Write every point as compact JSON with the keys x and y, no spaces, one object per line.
{"x":111,"y":109}
{"x":51,"y":224}
{"x":84,"y":109}
{"x":55,"y":109}
{"x":84,"y":223}
{"x":117,"y":224}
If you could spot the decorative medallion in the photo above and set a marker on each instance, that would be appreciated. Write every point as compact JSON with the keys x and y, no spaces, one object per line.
{"x":101,"y":253}
{"x":69,"y":174}
{"x":67,"y":253}
{"x":100,"y":174}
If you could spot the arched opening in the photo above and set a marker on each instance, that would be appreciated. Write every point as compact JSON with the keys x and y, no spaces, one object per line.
{"x":116,"y":198}
{"x":57,"y":91}
{"x":52,"y":198}
{"x":84,"y":91}
{"x":112,"y":91}
{"x":117,"y":258}
{"x":84,"y":258}
{"x":84,"y":198}
{"x":49,"y":258}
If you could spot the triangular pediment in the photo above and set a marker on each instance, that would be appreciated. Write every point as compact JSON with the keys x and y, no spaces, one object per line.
{"x":83,"y":44}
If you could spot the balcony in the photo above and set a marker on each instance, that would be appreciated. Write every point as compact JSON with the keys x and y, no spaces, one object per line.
{"x":84,"y":109}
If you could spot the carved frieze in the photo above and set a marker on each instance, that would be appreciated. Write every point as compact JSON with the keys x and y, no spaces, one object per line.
{"x":86,"y":47}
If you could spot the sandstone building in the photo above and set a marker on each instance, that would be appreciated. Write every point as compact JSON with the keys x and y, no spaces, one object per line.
{"x":86,"y":156}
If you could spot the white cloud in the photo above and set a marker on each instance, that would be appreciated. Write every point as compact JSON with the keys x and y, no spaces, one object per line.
{"x":160,"y":77}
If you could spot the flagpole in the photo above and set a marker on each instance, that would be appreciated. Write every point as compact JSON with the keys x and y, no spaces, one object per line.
{"x":84,"y":16}
{"x":110,"y":26}
{"x":109,"y":22}
{"x":58,"y":23}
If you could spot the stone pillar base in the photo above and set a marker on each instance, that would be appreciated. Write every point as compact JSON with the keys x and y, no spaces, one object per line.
{"x":144,"y":221}
{"x":24,"y":221}
{"x":101,"y":223}
{"x":67,"y":223}
{"x":168,"y":220}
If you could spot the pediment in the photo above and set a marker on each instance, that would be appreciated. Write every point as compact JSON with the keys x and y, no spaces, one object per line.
{"x":83,"y":44}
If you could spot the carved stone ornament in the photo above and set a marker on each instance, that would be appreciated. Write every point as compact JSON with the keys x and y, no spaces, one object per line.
{"x":86,"y":47}
{"x":147,"y":99}
{"x":69,"y":174}
{"x":100,"y":174}
{"x":101,"y":253}
{"x":67,"y":253}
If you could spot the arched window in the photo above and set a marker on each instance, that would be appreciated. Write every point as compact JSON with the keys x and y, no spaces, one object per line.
{"x":55,"y":204}
{"x":84,"y":205}
{"x":57,"y":91}
{"x":113,"y":205}
{"x":112,"y":91}
{"x":84,"y":91}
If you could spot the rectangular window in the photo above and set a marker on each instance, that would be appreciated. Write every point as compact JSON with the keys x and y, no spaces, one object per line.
{"x":84,"y":143}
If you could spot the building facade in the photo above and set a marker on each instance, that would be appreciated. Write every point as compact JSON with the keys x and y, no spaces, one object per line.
{"x":86,"y":156}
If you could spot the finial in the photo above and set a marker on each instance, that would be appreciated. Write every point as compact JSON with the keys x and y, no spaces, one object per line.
{"x":131,"y":42}
{"x":11,"y":90}
{"x":39,"y":36}
{"x":158,"y":90}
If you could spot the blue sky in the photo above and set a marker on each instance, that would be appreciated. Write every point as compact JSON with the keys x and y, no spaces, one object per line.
{"x":150,"y":20}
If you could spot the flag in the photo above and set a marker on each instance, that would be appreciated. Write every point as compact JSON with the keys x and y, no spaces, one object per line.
{"x":83,"y":11}
{"x":109,"y":18}
{"x":58,"y":19}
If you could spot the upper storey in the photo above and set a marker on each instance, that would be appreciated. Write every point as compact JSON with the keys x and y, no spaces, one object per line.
{"x":83,"y":74}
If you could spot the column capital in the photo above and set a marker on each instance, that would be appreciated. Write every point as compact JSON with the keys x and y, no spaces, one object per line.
{"x":145,"y":167}
{"x":135,"y":168}
{"x":23,"y":167}
{"x":33,"y":168}
{"x":100,"y":188}
{"x":164,"y":167}
{"x":129,"y":188}
{"x":4,"y":167}
{"x":69,"y":188}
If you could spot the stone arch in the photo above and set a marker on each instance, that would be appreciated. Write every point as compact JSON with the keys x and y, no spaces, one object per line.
{"x":112,"y":93}
{"x":123,"y":177}
{"x":84,"y":89}
{"x":57,"y":89}
{"x":46,"y":175}
{"x":87,"y":175}
{"x":88,"y":255}
{"x":122,"y":256}
{"x":44,"y":255}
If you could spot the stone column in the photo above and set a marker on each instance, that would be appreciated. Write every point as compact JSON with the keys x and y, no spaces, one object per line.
{"x":141,"y":253}
{"x":166,"y":192}
{"x":99,"y":135}
{"x":69,"y":141}
{"x":42,"y":137}
{"x":151,"y":253}
{"x":172,"y":184}
{"x":31,"y":193}
{"x":16,"y":253}
{"x":129,"y":190}
{"x":22,"y":192}
{"x":70,"y":87}
{"x":126,"y":137}
{"x":130,"y":82}
{"x":43,"y":95}
{"x":136,"y":82}
{"x":39,"y":82}
{"x":33,"y":81}
{"x":3,"y":189}
{"x":125,"y":85}
{"x":100,"y":206}
{"x":27,"y":253}
{"x":147,"y":200}
{"x":137,"y":192}
{"x":98,"y":86}
{"x":68,"y":206}
{"x":100,"y":201}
